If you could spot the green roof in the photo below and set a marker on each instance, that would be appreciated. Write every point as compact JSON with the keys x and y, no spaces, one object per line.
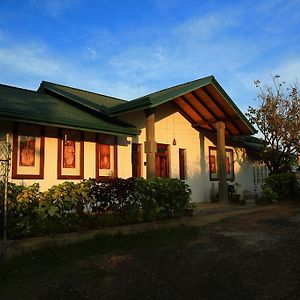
{"x":39,"y":108}
{"x":91,"y":100}
{"x":157,"y":98}
{"x":160,"y":97}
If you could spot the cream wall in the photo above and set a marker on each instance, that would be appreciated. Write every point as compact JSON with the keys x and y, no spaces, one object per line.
{"x":51,"y":155}
{"x":169,"y":125}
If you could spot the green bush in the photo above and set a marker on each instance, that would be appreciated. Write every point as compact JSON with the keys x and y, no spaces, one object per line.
{"x":267,"y":196}
{"x":67,"y":206}
{"x":283,"y":184}
{"x":162,"y":197}
{"x":22,"y":215}
{"x":116,"y":195}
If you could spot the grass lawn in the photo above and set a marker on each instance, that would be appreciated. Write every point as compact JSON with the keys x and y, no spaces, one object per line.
{"x":62,"y":273}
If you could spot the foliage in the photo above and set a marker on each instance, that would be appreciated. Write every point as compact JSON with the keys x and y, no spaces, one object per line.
{"x":283,"y":184}
{"x":62,"y":196}
{"x":267,"y":195}
{"x":115,"y":195}
{"x":162,"y":197}
{"x":232,"y":190}
{"x":22,"y":213}
{"x":278,"y":119}
{"x":68,"y":206}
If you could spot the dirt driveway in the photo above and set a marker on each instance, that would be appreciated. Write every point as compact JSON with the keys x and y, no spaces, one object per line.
{"x":254,"y":256}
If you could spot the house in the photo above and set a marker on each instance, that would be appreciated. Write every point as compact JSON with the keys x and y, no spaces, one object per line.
{"x":190,"y":131}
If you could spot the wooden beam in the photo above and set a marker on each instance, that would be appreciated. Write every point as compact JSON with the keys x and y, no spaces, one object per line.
{"x":214,"y":121}
{"x":208,"y":93}
{"x":209,"y":110}
{"x":183,"y":113}
{"x":196,"y":111}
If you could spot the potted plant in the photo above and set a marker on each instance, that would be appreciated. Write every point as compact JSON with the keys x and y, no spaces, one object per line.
{"x":233,"y":196}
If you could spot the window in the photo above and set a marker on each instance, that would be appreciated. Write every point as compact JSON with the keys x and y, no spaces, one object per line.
{"x":260,"y":172}
{"x":106,"y":156}
{"x":213,"y":164}
{"x":182,"y":164}
{"x":136,"y":156}
{"x":28,"y":152}
{"x":70,"y":162}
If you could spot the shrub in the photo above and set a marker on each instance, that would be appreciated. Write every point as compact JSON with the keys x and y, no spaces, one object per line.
{"x":267,"y":195}
{"x":22,"y":209}
{"x":114,"y":200}
{"x":63,"y":196}
{"x":283,"y":184}
{"x":162,"y":197}
{"x":115,"y":195}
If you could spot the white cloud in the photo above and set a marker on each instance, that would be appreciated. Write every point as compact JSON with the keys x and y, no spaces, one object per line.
{"x":130,"y":64}
{"x":28,"y":59}
{"x":207,"y":25}
{"x":289,"y":70}
{"x":56,"y":8}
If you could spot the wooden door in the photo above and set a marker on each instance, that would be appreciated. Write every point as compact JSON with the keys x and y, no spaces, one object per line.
{"x":136,"y":160}
{"x":162,"y":160}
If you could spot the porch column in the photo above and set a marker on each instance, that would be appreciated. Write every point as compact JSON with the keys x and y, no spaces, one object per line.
{"x":221,"y":156}
{"x":150,"y":144}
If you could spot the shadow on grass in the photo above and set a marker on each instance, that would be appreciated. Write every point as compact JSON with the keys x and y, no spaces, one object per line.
{"x":38,"y":274}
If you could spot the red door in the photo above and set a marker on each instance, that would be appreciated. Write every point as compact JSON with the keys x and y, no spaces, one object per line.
{"x":162,"y":160}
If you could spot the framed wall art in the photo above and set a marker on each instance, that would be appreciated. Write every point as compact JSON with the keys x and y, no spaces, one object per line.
{"x":28,"y":151}
{"x":106,"y":156}
{"x":70,"y":162}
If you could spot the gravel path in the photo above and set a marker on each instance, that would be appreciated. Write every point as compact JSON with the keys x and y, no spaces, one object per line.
{"x":254,"y":256}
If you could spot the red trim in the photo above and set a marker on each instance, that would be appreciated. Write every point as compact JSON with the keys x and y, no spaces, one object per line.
{"x":15,"y":174}
{"x":59,"y":158}
{"x":98,"y":142}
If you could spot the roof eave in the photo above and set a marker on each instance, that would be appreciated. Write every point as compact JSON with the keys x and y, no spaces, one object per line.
{"x":233,"y":105}
{"x":125,"y":132}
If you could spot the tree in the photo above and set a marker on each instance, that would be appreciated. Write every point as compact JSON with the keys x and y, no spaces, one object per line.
{"x":278,"y":119}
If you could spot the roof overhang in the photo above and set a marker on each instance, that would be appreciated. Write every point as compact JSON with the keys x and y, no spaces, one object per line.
{"x":202,"y":102}
{"x":205,"y":106}
{"x":133,"y":132}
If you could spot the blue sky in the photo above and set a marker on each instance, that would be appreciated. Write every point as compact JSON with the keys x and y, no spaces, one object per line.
{"x":132,"y":47}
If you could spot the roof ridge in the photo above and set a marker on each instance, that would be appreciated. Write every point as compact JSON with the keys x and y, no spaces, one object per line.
{"x":174,"y":86}
{"x":18,"y":88}
{"x":82,"y":90}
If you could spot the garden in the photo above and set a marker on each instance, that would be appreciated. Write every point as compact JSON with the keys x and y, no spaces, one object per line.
{"x":91,"y":204}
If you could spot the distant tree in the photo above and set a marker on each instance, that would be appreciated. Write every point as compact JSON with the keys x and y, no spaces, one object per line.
{"x":278,"y":119}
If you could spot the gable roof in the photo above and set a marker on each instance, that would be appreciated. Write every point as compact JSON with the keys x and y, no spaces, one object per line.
{"x":94,"y":101}
{"x":33,"y":107}
{"x":203,"y":102}
{"x":156,"y":98}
